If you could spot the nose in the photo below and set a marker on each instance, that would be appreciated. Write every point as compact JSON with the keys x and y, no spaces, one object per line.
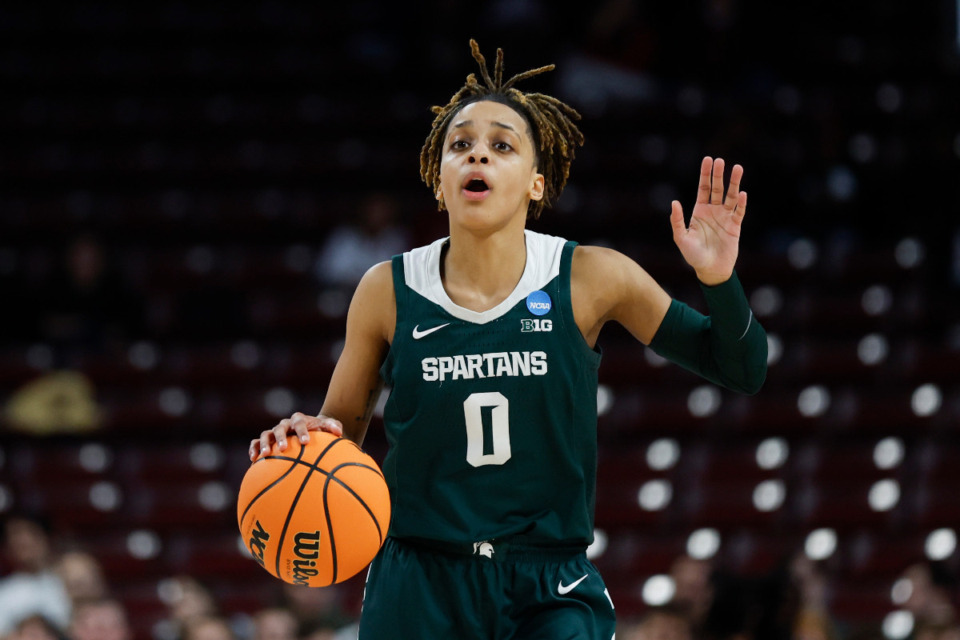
{"x":479,"y":155}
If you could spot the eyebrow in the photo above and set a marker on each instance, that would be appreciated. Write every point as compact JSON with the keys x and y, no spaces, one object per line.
{"x":467,"y":123}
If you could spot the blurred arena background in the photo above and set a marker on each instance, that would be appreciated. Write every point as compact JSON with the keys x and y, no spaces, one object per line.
{"x":188,"y":193}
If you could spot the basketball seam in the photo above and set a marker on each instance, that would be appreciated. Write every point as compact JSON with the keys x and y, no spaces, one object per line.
{"x":313,"y":465}
{"x":331,"y":476}
{"x":296,"y":499}
{"x":333,"y":542}
{"x":272,"y":484}
{"x":363,"y":503}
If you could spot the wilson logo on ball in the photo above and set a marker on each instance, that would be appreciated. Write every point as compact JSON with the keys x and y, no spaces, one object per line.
{"x":258,"y":542}
{"x":306,"y":547}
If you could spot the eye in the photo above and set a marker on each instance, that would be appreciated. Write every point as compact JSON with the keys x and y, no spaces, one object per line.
{"x":502,"y":146}
{"x":459,"y":144}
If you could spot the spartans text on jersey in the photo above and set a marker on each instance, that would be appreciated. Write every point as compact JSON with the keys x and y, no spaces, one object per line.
{"x":485,"y":365}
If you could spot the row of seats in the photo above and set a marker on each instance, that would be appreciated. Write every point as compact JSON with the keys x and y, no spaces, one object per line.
{"x":882,"y":358}
{"x":862,"y":567}
{"x":795,"y":263}
{"x":181,"y":412}
{"x":709,"y":456}
{"x":673,"y":483}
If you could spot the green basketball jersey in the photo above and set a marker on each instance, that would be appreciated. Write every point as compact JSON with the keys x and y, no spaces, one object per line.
{"x":492,"y":416}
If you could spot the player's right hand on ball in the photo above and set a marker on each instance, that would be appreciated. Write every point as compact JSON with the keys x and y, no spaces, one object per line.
{"x":299,"y":424}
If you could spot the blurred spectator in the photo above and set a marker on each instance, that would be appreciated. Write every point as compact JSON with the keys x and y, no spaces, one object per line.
{"x":812,"y":620}
{"x":733,"y":610}
{"x":788,"y":603}
{"x":933,"y":589}
{"x":938,"y":632}
{"x":276,"y":623}
{"x":662,"y":623}
{"x":35,"y":628}
{"x":82,"y":576}
{"x":88,"y":305}
{"x":349,"y":632}
{"x":102,"y":619}
{"x":32,"y":587}
{"x":694,"y":589}
{"x":207,"y":628}
{"x":612,"y":65}
{"x":316,"y":610}
{"x":352,"y":248}
{"x":187,"y":600}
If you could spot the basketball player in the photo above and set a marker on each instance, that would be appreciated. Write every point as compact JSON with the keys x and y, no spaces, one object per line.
{"x":487,"y":340}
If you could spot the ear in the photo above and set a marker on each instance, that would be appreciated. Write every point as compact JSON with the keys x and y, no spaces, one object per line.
{"x":537,"y":187}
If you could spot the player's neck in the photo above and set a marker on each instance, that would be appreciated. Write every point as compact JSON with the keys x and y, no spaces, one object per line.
{"x":479,"y":272}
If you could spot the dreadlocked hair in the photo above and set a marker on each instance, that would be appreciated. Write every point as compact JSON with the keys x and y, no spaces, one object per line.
{"x":551,"y":121}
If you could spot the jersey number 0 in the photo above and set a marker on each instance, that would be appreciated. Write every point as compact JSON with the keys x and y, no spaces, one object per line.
{"x":485,"y":412}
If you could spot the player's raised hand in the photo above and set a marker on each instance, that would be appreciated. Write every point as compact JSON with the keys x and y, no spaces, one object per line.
{"x":710,"y":243}
{"x":299,"y":424}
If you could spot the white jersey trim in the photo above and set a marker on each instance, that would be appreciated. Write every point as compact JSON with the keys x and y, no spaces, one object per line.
{"x":421,"y":269}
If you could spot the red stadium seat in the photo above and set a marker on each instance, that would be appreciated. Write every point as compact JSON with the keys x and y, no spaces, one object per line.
{"x":844,"y":505}
{"x":174,"y":504}
{"x":631,"y":554}
{"x":877,"y":555}
{"x":213,"y":554}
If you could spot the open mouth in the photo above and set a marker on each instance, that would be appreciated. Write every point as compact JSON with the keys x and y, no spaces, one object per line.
{"x":476,"y":185}
{"x":475,"y":188}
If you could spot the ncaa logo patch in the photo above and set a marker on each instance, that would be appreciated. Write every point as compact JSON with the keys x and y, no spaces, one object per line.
{"x":538,"y":303}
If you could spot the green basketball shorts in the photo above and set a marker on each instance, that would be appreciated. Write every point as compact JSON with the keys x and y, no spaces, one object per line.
{"x":494,"y":591}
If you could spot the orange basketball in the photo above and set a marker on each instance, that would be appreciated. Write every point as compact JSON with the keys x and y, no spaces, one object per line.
{"x":314,"y":514}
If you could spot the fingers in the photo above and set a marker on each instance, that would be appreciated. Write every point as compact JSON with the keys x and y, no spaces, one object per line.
{"x":330,"y":425}
{"x":733,"y":190}
{"x":280,"y":434}
{"x":716,"y":191}
{"x":741,"y":209}
{"x":676,"y":220}
{"x":703,"y":190}
{"x":303,"y":424}
{"x":299,"y":425}
{"x":710,"y":190}
{"x":260,"y":447}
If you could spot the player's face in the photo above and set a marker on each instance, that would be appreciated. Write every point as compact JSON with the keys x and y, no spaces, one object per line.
{"x":487,"y":170}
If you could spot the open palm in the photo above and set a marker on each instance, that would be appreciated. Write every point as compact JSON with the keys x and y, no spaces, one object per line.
{"x":710,"y":243}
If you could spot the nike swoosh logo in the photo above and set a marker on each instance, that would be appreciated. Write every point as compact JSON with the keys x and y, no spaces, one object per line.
{"x":563,"y":589}
{"x":417,"y":334}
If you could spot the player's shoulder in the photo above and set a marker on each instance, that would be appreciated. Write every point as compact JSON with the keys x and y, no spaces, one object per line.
{"x":607,"y":274}
{"x":598,"y":263}
{"x":377,"y":278}
{"x":375,"y":291}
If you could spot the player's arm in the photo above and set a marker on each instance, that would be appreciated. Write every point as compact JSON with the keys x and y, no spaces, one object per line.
{"x":727,"y":347}
{"x":355,"y":385}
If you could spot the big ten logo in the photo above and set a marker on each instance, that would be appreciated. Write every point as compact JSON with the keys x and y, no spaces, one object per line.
{"x":258,"y":541}
{"x":528,"y":325}
{"x":306,"y":546}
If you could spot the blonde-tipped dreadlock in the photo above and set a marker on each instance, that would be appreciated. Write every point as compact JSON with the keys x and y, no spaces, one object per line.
{"x":550,"y":119}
